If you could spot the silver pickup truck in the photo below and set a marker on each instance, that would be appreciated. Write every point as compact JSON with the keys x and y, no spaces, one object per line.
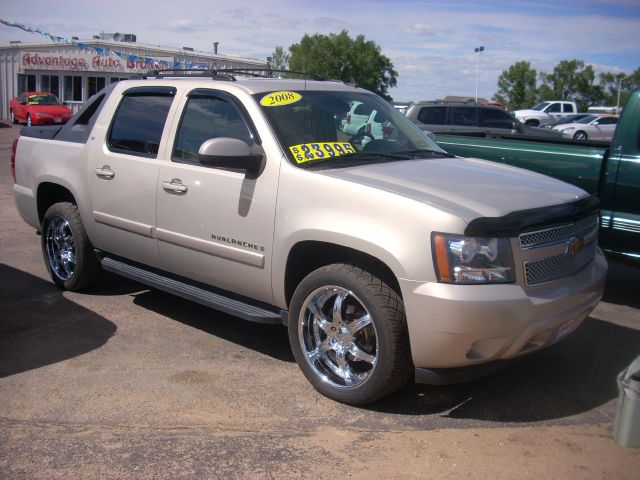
{"x":387,"y":258}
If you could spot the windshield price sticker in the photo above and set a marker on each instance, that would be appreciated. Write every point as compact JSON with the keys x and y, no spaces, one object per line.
{"x":306,"y":152}
{"x":277,"y":99}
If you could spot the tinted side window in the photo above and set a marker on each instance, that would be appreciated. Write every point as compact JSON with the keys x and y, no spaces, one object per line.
{"x":206,"y":118}
{"x":568,"y":108}
{"x":138,"y":124}
{"x":465,"y":116}
{"x":554,"y":108}
{"x":433,"y":115}
{"x":494,"y":119}
{"x":363,"y":109}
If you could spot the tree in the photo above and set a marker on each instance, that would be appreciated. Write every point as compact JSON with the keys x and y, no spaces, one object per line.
{"x":280,"y":59}
{"x":571,"y":80}
{"x":338,"y":56}
{"x":517,"y":86}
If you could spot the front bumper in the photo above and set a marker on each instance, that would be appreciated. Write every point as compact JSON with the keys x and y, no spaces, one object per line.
{"x":454,"y":326}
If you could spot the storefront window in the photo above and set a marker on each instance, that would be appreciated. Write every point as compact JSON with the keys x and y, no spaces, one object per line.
{"x":117,"y":79}
{"x":26,"y":83}
{"x":50,"y":83}
{"x":95,"y":84}
{"x":72,"y":88}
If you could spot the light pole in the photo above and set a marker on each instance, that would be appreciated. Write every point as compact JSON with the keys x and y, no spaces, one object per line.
{"x":478,"y":50}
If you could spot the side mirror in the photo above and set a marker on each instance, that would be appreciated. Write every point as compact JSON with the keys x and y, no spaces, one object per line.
{"x":226,"y":152}
{"x":516,"y":127}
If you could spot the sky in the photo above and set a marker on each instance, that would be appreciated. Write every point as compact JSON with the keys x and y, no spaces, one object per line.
{"x":430,"y":43}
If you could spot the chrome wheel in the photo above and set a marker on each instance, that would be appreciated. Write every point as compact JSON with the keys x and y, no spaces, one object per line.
{"x":338,"y":337}
{"x":28,"y":120}
{"x":13,"y":117}
{"x":60,"y":247}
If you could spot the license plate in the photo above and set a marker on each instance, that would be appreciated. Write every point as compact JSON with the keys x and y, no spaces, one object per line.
{"x":57,"y":120}
{"x":567,"y":327}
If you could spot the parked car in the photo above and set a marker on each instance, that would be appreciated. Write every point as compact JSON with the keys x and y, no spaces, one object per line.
{"x":455,"y":117}
{"x":592,"y":127}
{"x":569,"y":119}
{"x":388,"y":262}
{"x":37,"y":108}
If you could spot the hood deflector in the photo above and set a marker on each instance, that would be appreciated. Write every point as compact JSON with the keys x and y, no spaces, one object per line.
{"x":514,"y":223}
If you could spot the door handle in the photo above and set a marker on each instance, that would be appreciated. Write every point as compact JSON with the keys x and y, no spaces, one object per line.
{"x":175,"y":186}
{"x":105,"y":172}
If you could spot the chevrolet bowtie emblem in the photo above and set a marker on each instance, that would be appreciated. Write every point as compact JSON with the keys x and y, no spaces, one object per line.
{"x":574,"y":246}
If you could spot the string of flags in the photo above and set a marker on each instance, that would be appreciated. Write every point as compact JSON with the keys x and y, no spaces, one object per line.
{"x":103,"y":52}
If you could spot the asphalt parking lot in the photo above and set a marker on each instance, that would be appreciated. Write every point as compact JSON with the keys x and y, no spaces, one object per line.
{"x":127,"y":382}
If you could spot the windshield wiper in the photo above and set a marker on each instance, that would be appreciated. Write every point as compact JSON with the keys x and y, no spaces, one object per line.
{"x":424,"y":151}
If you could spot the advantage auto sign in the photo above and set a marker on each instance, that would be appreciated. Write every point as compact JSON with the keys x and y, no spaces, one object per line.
{"x":89,"y":62}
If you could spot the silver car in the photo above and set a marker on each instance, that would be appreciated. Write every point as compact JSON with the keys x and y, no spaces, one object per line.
{"x":592,"y":127}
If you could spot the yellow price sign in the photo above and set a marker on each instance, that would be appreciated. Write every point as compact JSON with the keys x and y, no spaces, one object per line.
{"x":306,"y":152}
{"x":277,"y":99}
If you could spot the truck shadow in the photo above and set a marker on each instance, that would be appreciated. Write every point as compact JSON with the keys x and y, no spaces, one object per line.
{"x":270,"y":340}
{"x":575,"y":376}
{"x":40,"y":327}
{"x":622,"y":283}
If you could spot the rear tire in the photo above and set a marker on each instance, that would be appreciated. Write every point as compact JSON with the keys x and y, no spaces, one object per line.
{"x":348,"y":333}
{"x":28,"y":120}
{"x":67,"y":251}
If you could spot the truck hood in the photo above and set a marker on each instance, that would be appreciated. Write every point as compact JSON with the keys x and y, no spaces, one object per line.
{"x":466,"y":187}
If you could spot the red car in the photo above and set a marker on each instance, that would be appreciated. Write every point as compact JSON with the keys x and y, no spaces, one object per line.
{"x":37,"y":108}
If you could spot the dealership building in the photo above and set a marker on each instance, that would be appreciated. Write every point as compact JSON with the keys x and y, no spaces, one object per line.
{"x":75,"y":71}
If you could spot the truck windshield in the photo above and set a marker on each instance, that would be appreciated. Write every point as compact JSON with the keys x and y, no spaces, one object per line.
{"x":342,"y":128}
{"x":540,"y":106}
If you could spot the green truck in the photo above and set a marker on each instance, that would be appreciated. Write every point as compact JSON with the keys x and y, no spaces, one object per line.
{"x":609,"y":171}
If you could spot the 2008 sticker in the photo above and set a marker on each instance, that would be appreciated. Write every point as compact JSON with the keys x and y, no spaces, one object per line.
{"x":277,"y":99}
{"x":305,"y":152}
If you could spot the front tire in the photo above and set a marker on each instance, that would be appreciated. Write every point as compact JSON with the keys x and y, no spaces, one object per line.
{"x":14,"y":120}
{"x":67,"y":251}
{"x":532,"y":123}
{"x":348,"y":334}
{"x":580,"y":136}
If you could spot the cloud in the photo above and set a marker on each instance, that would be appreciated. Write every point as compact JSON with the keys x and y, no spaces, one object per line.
{"x":420,"y":29}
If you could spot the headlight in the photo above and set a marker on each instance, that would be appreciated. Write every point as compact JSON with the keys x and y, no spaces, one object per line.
{"x":468,"y":260}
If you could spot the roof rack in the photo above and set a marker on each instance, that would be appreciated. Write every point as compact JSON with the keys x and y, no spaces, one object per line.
{"x":228,"y":73}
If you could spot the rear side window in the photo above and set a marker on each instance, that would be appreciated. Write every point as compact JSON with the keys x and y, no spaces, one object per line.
{"x":465,"y":116}
{"x":491,"y":118}
{"x":433,"y":115}
{"x":138,"y":124}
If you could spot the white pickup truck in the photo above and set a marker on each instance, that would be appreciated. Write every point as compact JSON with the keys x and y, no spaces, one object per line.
{"x":388,"y":259}
{"x":546,"y":112}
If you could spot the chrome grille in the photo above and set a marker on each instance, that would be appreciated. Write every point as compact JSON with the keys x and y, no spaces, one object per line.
{"x":558,"y":266}
{"x":558,"y":234}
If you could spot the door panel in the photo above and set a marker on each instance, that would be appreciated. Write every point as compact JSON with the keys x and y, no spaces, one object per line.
{"x":125,"y":176}
{"x":215,"y":225}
